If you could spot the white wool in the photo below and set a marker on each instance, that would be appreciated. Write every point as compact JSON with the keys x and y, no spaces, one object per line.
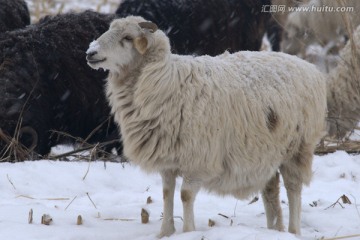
{"x":319,"y":25}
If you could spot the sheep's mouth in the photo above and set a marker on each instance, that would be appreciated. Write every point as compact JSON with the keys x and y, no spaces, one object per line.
{"x":96,"y":61}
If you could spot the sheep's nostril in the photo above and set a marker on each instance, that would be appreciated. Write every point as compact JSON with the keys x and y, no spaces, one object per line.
{"x":90,"y":54}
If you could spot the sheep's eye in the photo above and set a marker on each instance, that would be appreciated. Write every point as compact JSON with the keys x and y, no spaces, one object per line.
{"x":128,"y":38}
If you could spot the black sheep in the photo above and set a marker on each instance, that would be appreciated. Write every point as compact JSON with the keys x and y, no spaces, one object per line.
{"x":204,"y":26}
{"x":45,"y":83}
{"x":13,"y":14}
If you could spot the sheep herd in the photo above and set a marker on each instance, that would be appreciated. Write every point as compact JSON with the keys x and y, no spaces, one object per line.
{"x":167,"y":84}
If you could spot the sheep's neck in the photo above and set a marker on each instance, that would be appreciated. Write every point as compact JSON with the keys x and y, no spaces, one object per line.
{"x":143,"y":105}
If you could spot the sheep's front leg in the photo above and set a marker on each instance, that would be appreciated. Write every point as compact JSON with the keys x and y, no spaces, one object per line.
{"x":272,"y":203}
{"x":168,"y":181}
{"x":189,"y":189}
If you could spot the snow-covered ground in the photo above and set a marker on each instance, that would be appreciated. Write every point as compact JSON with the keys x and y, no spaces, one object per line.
{"x":110,"y":196}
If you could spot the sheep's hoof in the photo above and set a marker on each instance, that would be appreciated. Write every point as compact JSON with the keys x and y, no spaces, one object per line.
{"x":166,"y":232}
{"x":294,"y":231}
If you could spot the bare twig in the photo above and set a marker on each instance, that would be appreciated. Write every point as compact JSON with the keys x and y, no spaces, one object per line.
{"x":220,"y":214}
{"x":24,"y":196}
{"x":231,"y":221}
{"x":92,"y":155}
{"x":10,"y":181}
{"x":47,"y":199}
{"x":91,"y":200}
{"x":344,"y":199}
{"x":70,"y":202}
{"x":71,"y":153}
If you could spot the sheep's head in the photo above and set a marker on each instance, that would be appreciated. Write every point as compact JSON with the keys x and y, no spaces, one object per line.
{"x":294,"y":36}
{"x":122,"y":45}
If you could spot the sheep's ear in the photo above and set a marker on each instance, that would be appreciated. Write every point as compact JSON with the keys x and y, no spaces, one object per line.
{"x":141,"y":44}
{"x":152,"y":27}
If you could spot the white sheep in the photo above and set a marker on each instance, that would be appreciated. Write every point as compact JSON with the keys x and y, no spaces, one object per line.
{"x":344,"y":90}
{"x":225,"y":123}
{"x":324,"y":22}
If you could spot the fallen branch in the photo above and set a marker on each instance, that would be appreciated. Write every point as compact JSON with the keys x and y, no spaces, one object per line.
{"x":329,"y":146}
{"x":86,"y":148}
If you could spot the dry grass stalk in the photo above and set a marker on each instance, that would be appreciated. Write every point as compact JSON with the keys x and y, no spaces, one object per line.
{"x":79,"y":220}
{"x":55,"y":199}
{"x":24,"y":196}
{"x":222,"y":215}
{"x":91,"y":200}
{"x":96,"y":149}
{"x":211,"y":223}
{"x":342,"y":237}
{"x":119,"y":219}
{"x":12,"y":184}
{"x":92,"y":156}
{"x":227,"y":217}
{"x":70,"y":202}
{"x":343,"y":198}
{"x":144,"y":216}
{"x":14,"y":151}
{"x":30,"y":219}
{"x":46,"y":219}
{"x":47,"y":199}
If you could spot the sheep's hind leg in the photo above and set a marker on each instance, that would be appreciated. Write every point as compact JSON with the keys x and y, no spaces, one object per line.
{"x":272,"y":206}
{"x":295,"y":173}
{"x":168,"y":181}
{"x":189,"y":189}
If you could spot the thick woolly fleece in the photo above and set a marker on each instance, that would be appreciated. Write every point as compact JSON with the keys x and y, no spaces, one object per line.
{"x":344,"y":90}
{"x":204,"y":26}
{"x":46,"y":84}
{"x":14,"y":14}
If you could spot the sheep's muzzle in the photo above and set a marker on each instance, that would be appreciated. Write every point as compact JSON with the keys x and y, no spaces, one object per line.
{"x":91,"y":58}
